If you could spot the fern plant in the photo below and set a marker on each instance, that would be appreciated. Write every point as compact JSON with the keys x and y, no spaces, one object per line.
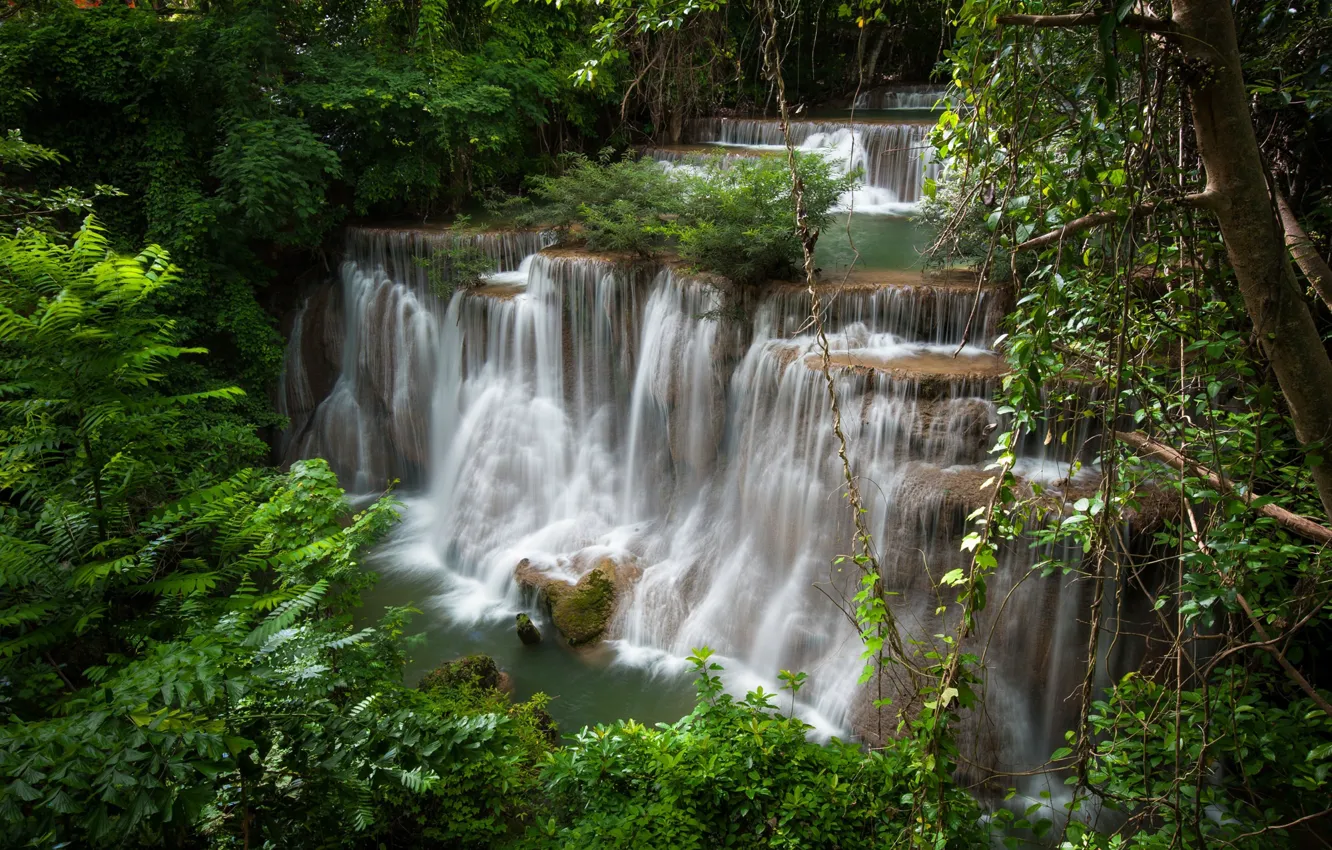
{"x":178,"y":661}
{"x":89,"y":443}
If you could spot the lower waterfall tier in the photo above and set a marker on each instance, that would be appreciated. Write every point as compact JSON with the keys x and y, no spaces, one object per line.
{"x":577,"y":415}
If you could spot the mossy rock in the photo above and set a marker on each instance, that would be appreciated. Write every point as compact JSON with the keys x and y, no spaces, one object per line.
{"x":476,"y":672}
{"x":582,"y":612}
{"x":528,"y":633}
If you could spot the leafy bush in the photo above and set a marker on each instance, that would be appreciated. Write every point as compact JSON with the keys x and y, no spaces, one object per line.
{"x":457,"y":264}
{"x":617,"y":205}
{"x":272,"y":174}
{"x":736,"y":773}
{"x":178,"y":661}
{"x":739,"y":219}
{"x":733,"y":218}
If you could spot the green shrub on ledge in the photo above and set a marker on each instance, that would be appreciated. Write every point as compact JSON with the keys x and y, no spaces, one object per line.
{"x":735,"y":218}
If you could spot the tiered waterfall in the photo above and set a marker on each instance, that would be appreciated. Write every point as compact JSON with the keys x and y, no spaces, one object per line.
{"x":577,"y":410}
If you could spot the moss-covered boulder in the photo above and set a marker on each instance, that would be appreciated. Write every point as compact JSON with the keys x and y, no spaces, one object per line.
{"x":471,"y":672}
{"x":583,"y":611}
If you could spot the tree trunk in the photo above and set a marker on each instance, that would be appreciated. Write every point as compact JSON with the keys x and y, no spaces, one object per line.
{"x":869,"y":72}
{"x":1255,"y":240}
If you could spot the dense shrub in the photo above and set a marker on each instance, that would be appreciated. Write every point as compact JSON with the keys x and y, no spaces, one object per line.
{"x":733,"y":218}
{"x":737,"y":773}
{"x":739,"y":218}
{"x":617,"y":205}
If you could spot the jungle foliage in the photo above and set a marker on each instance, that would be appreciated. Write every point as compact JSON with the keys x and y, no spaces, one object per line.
{"x":731,"y":217}
{"x":1078,"y":175}
{"x":241,"y":134}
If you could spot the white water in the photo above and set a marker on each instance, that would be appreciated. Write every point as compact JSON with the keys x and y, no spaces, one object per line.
{"x":921,"y":96}
{"x":572,"y":412}
{"x":894,"y":159}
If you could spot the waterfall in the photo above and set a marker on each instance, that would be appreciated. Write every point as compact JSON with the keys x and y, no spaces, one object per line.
{"x":894,"y":158}
{"x":575,"y":410}
{"x":918,"y":96}
{"x":372,"y":370}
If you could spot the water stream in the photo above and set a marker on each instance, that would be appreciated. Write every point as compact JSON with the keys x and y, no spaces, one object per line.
{"x":889,"y":150}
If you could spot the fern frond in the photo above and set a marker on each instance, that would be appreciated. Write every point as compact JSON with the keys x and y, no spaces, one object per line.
{"x":287,"y":613}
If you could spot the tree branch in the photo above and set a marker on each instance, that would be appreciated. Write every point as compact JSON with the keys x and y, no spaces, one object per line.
{"x":1150,"y":449}
{"x":1302,"y":249}
{"x":1145,"y":23}
{"x":1304,"y":526}
{"x":1270,"y":645}
{"x":1086,"y":222}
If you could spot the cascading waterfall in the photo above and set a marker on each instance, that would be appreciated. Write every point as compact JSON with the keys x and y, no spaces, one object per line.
{"x":918,"y":96}
{"x":575,"y":411}
{"x":371,"y":370}
{"x":895,"y":158}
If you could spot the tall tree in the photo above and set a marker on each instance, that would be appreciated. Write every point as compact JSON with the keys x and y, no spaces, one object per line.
{"x":1240,"y":194}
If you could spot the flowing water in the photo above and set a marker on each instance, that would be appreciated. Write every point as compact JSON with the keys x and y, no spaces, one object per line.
{"x":893,"y":156}
{"x":918,"y":96}
{"x":576,"y":411}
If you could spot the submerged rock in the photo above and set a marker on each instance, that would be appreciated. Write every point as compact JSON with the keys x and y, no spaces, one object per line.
{"x":528,"y":633}
{"x":582,"y":612}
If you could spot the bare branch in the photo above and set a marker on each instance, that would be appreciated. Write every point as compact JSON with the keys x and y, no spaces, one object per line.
{"x":1086,"y":222}
{"x":1150,"y":449}
{"x":1284,"y":826}
{"x":1302,"y":249}
{"x":1301,"y":525}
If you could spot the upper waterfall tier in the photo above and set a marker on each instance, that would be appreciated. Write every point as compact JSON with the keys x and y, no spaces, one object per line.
{"x":937,"y":307}
{"x":894,"y":156}
{"x":398,"y":249}
{"x":918,"y":96}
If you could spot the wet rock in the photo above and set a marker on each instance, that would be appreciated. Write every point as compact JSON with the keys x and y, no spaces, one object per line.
{"x":321,"y":340}
{"x":545,"y":724}
{"x":582,"y":612}
{"x":472,"y":671}
{"x":528,"y":633}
